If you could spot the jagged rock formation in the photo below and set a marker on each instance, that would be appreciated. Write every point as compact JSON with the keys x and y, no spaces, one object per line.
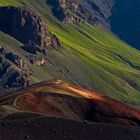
{"x":88,"y":10}
{"x":17,"y":60}
{"x":26,"y":26}
{"x":61,"y":9}
{"x":39,"y":61}
{"x":12,"y":76}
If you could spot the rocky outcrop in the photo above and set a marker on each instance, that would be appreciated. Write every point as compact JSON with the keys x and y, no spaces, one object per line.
{"x":61,"y":9}
{"x":19,"y":61}
{"x":37,"y":61}
{"x":11,"y":77}
{"x":93,"y":11}
{"x":11,"y":70}
{"x":26,"y":26}
{"x":15,"y":79}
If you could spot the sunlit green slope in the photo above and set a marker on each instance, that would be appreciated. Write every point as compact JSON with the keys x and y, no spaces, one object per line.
{"x":89,"y":56}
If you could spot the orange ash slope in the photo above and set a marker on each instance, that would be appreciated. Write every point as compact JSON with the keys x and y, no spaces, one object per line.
{"x":59,"y":98}
{"x":123,"y":110}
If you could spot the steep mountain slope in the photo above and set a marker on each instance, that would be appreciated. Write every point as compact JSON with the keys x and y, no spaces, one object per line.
{"x":88,"y":56}
{"x":119,"y":16}
{"x":27,"y":27}
{"x":61,"y":99}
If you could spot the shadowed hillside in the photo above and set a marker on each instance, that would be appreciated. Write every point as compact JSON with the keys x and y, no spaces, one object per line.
{"x":125,"y":21}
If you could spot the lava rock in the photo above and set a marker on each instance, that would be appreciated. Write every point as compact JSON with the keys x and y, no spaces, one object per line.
{"x":19,"y":61}
{"x":11,"y":77}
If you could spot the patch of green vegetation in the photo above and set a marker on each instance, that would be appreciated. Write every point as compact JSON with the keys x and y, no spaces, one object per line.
{"x":15,"y":3}
{"x":89,"y":56}
{"x":9,"y":2}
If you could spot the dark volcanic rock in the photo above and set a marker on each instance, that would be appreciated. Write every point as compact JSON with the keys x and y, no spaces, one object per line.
{"x":17,"y":60}
{"x":15,"y":79}
{"x":12,"y":78}
{"x":10,"y":75}
{"x":26,"y":26}
{"x":60,"y":9}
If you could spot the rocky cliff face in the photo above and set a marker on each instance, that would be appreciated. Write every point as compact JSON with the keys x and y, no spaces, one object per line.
{"x":26,"y":26}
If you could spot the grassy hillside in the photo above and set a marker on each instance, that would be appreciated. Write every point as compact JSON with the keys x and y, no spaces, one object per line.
{"x":89,"y":56}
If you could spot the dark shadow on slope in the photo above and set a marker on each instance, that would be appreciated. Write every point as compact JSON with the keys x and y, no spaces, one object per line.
{"x":125,"y":21}
{"x":57,"y":10}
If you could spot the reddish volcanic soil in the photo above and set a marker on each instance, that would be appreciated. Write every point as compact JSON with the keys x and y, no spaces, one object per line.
{"x":61,"y":99}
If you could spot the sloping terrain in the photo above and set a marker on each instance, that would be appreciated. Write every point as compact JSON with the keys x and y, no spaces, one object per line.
{"x":119,"y":16}
{"x":69,"y":39}
{"x":88,"y":56}
{"x":41,"y":128}
{"x":61,"y":99}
